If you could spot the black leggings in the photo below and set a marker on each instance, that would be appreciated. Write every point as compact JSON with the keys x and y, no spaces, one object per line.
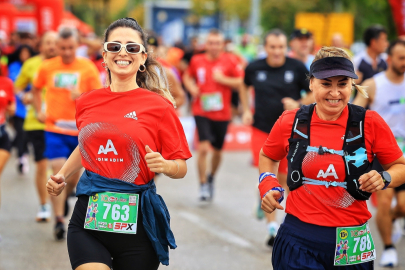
{"x":117,"y":250}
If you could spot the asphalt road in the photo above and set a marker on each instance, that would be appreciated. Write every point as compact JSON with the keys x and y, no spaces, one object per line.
{"x":221,"y":235}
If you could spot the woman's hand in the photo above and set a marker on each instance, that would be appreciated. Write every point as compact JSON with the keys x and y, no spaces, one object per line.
{"x":371,"y":182}
{"x":41,"y":117}
{"x":156,"y":163}
{"x":290,"y":104}
{"x":270,"y":201}
{"x":56,"y":184}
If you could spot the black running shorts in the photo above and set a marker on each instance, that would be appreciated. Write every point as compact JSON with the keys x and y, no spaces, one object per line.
{"x":117,"y":250}
{"x":37,"y":139}
{"x":213,"y":131}
{"x":5,"y":142}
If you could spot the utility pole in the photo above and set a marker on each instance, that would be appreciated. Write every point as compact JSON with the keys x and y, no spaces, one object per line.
{"x":254,"y":21}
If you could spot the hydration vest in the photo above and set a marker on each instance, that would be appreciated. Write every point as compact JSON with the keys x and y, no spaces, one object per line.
{"x":353,"y":152}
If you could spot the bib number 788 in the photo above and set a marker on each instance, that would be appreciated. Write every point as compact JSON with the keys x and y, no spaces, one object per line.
{"x":116,"y":211}
{"x":364,"y":242}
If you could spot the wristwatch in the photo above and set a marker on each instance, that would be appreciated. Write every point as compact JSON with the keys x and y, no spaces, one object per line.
{"x":386,"y":177}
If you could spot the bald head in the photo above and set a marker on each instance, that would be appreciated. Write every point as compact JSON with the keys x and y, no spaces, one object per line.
{"x":337,"y":40}
{"x":48,"y":44}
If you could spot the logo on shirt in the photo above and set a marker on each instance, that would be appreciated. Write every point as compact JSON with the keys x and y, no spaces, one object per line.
{"x":261,"y":76}
{"x":66,"y":80}
{"x":288,"y":76}
{"x":131,"y":115}
{"x":329,"y":172}
{"x":109,"y":148}
{"x":201,"y":75}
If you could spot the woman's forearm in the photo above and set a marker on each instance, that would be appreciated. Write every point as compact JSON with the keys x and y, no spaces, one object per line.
{"x":177,"y":172}
{"x":397,"y":171}
{"x":72,"y":165}
{"x":266,"y":164}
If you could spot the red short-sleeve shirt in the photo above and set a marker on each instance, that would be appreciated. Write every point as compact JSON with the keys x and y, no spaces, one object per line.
{"x":330,"y":206}
{"x":115,"y":127}
{"x":6,"y":97}
{"x":214,"y":101}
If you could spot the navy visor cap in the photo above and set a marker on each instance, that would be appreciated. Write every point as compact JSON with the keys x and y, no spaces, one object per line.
{"x":331,"y":67}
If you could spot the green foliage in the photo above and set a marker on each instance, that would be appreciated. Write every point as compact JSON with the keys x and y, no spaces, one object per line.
{"x":369,"y":12}
{"x":281,"y":14}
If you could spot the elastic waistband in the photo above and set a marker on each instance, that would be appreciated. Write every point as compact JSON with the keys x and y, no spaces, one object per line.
{"x":310,"y":232}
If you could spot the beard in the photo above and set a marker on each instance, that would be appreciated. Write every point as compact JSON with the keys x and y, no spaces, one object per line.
{"x":398,"y":70}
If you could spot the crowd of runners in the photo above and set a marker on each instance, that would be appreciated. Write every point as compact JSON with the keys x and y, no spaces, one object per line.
{"x":326,"y":133}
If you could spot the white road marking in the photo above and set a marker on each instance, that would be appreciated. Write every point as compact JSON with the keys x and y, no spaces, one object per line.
{"x":215,"y":230}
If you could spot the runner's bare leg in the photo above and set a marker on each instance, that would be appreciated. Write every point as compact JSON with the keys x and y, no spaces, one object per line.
{"x":203,"y":149}
{"x":215,"y":160}
{"x":41,"y":179}
{"x":383,"y":217}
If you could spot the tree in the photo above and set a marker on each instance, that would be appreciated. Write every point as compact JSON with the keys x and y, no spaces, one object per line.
{"x":281,"y":14}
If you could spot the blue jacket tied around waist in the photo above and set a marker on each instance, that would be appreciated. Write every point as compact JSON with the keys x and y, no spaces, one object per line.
{"x":156,"y":218}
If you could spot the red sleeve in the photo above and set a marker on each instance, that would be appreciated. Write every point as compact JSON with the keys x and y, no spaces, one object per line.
{"x":172,"y":140}
{"x":379,"y":139}
{"x":237,"y":69}
{"x":79,"y":109}
{"x":276,"y":145}
{"x":192,"y":67}
{"x":11,"y":96}
{"x":8,"y":86}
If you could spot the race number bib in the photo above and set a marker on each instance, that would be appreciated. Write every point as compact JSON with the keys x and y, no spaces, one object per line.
{"x":401,"y":144}
{"x":354,"y":245}
{"x":212,"y":102}
{"x":68,"y":81}
{"x":112,"y":212}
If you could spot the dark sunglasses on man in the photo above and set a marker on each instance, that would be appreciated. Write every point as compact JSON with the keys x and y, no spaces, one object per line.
{"x":116,"y":47}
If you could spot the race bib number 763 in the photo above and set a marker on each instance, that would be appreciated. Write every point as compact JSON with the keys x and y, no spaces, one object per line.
{"x":112,"y":212}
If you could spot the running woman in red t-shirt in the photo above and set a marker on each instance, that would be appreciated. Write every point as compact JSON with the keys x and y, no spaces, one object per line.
{"x":330,"y":145}
{"x":7,"y":107}
{"x":127,"y":132}
{"x":210,"y":78}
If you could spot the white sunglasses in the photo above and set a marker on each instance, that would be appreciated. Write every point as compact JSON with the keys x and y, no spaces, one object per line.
{"x":116,"y":47}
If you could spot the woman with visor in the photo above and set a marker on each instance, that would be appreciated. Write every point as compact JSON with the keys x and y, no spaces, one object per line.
{"x":128,"y":131}
{"x":330,"y":146}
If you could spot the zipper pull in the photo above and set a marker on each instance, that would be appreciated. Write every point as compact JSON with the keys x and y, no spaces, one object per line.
{"x":321,"y":151}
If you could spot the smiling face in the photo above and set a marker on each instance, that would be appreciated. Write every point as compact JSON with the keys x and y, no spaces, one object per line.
{"x":331,"y":95}
{"x":123,"y":65}
{"x":276,"y":49}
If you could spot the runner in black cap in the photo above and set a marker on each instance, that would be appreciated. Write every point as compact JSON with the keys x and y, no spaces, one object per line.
{"x":300,"y":46}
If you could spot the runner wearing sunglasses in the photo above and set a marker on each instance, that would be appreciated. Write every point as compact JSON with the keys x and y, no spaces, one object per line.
{"x":128,"y":131}
{"x":116,"y":47}
{"x":330,"y":147}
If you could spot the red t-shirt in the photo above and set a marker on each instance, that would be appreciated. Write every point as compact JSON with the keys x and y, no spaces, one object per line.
{"x":331,"y":206}
{"x":115,"y":127}
{"x":214,"y":100}
{"x":6,"y":96}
